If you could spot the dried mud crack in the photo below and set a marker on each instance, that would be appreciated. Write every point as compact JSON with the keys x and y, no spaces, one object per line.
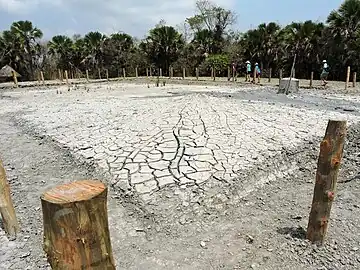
{"x":199,"y":179}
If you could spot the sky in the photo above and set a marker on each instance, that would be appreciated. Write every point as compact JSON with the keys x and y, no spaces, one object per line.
{"x":136,"y":17}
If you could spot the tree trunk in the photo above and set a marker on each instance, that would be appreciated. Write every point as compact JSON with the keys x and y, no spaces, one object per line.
{"x":76,"y":233}
{"x":331,"y":151}
{"x":7,"y":210}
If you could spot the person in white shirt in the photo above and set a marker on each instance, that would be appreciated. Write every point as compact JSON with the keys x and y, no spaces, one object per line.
{"x":324,"y":72}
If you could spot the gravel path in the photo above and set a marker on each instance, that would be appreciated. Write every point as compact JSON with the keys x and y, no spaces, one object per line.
{"x":223,"y":174}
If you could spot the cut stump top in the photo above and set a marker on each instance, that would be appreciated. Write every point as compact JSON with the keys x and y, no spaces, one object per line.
{"x":74,"y":192}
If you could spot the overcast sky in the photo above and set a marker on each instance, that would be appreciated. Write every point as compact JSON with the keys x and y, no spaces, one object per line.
{"x":136,"y":17}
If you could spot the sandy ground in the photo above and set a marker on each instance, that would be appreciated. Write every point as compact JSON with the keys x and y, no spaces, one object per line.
{"x":201,"y":177}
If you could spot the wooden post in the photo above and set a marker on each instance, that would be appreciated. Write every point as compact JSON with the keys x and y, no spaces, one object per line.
{"x":66,"y":77}
{"x":107,"y":74}
{"x":7,"y":210}
{"x":38,"y":76}
{"x":124,"y":73}
{"x":184,"y":73}
{"x":136,"y":72}
{"x":42,"y":77}
{"x":270,"y":70}
{"x":214,"y":73}
{"x":311,"y":78}
{"x":147,"y":73}
{"x":99,"y":73}
{"x":197,"y":73}
{"x":354,"y":79}
{"x":160,"y":72}
{"x":229,"y":74}
{"x":170,"y":72}
{"x":331,"y":151}
{"x":76,"y":232}
{"x":60,"y":75}
{"x":87,"y":75}
{"x":280,"y":75}
{"x":15,"y":78}
{"x":347,"y":77}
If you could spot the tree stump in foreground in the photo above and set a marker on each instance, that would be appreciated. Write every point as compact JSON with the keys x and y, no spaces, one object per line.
{"x":76,"y":233}
{"x":7,"y":210}
{"x":331,"y":151}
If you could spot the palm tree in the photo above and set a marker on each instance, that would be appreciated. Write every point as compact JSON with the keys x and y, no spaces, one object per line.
{"x":344,"y":34}
{"x":62,"y":48}
{"x":94,"y":46}
{"x":163,"y":46}
{"x":28,"y":37}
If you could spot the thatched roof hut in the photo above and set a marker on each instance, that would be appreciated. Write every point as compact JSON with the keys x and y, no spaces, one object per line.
{"x":6,"y":72}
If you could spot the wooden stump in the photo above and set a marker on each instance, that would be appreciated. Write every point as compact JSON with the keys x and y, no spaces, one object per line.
{"x":7,"y":210}
{"x":331,"y":151}
{"x":76,"y":233}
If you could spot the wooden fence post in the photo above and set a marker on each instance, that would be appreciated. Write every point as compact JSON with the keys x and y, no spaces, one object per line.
{"x":170,"y":72}
{"x":107,"y":74}
{"x":60,"y":75}
{"x":150,"y":72}
{"x":197,"y":73}
{"x":347,"y":77}
{"x":66,"y":77}
{"x":7,"y":210}
{"x":280,"y":75}
{"x":160,"y":72}
{"x":229,"y":74}
{"x":270,"y":70}
{"x":136,"y":72}
{"x":99,"y":73}
{"x":147,"y":73}
{"x":354,"y":79}
{"x":76,"y":223}
{"x":331,"y":151}
{"x":184,"y":73}
{"x":124,"y":73}
{"x":87,"y":75}
{"x":311,"y":78}
{"x":42,"y":77}
{"x":214,"y":73}
{"x":15,"y":78}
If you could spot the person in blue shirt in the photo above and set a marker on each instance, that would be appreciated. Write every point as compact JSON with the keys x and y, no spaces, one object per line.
{"x":248,"y":71}
{"x":325,"y":72}
{"x":257,"y":72}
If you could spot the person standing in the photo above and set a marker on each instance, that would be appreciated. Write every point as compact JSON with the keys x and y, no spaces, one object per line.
{"x":325,"y":72}
{"x":257,"y":73}
{"x":248,"y":71}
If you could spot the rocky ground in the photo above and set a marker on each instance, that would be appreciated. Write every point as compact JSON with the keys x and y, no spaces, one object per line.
{"x":201,"y":177}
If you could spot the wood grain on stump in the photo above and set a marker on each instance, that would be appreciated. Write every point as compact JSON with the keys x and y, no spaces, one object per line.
{"x":7,"y":210}
{"x":76,"y":233}
{"x":331,"y":151}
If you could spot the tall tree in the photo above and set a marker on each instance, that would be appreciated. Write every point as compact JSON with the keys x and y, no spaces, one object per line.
{"x":163,"y":46}
{"x":28,"y":35}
